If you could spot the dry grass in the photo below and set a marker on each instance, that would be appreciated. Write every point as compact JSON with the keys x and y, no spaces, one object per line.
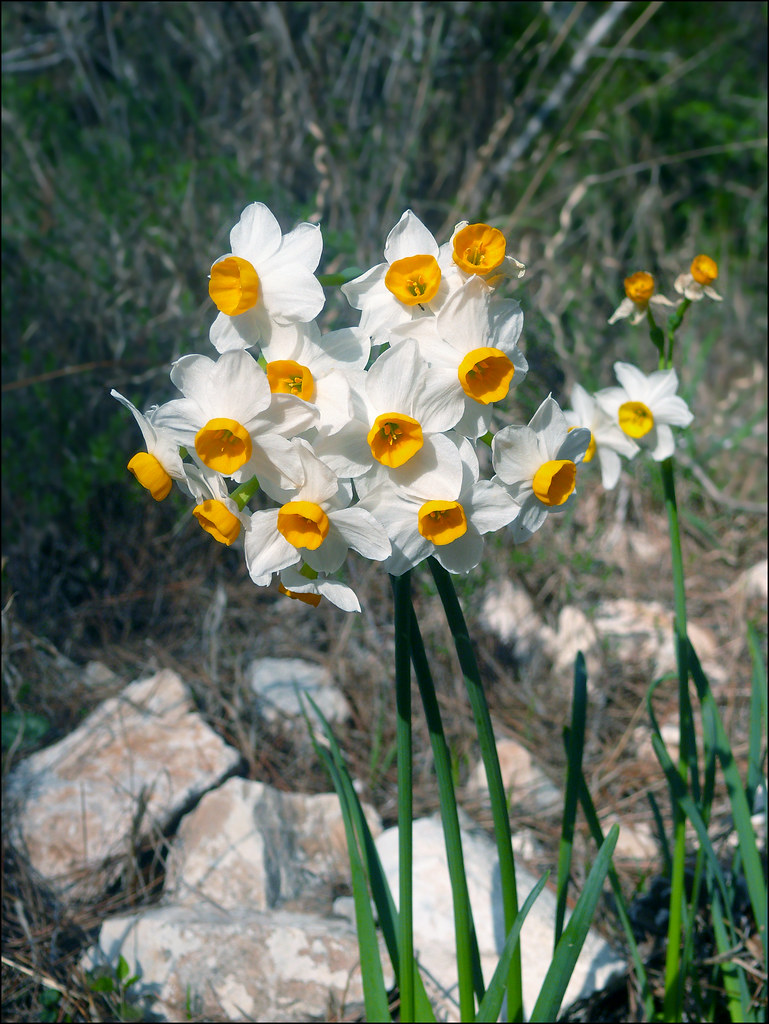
{"x":135,"y":134}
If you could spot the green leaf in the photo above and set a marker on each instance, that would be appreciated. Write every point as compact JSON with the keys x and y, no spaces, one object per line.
{"x":374,"y":991}
{"x":104,"y":983}
{"x":122,"y":970}
{"x":491,"y":1003}
{"x":573,"y":776}
{"x":380,"y":890}
{"x":568,"y":949}
{"x":757,"y":730}
{"x":31,"y":726}
{"x":50,"y":997}
{"x":746,"y":836}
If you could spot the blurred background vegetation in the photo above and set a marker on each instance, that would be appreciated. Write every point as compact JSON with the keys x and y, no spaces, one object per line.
{"x":601,"y":138}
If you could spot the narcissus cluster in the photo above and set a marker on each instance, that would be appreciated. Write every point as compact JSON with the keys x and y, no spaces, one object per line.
{"x":364,"y":439}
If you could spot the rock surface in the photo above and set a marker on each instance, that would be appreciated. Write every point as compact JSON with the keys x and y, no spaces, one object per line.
{"x":240,"y":964}
{"x":524,"y":780}
{"x":79,"y":806}
{"x":249,"y":845}
{"x":434,"y":922}
{"x":278,"y":684}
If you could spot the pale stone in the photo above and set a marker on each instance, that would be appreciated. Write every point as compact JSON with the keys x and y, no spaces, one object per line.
{"x":249,"y":845}
{"x":279,"y":683}
{"x":636,"y":842}
{"x":78,"y":806}
{"x":509,"y":612}
{"x":524,"y":780}
{"x":575,"y":633}
{"x":434,"y":924}
{"x":641,"y":633}
{"x":237,"y":964}
{"x":752,"y":583}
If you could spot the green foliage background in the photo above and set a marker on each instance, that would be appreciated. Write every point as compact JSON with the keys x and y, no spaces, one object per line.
{"x":135,"y":133}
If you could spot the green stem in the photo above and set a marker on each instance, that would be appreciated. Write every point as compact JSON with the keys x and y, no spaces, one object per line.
{"x":245,"y":492}
{"x":402,"y":598}
{"x":687,"y":757}
{"x":487,"y":743}
{"x":469,"y":972}
{"x":674,"y":322}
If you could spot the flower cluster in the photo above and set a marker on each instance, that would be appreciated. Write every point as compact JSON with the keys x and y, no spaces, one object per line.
{"x":642,"y":410}
{"x":363,"y":438}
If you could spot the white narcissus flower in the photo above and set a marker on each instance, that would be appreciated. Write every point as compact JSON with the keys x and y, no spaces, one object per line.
{"x":161,"y":464}
{"x":538,"y":465}
{"x":216,"y":512}
{"x":477,"y":342}
{"x":478,"y":250}
{"x":606,"y":437}
{"x":310,"y":589}
{"x":639,"y":293}
{"x":646,"y":407}
{"x":314,"y":526}
{"x":441,"y":512}
{"x":401,"y":405}
{"x":266,"y":277}
{"x":694,"y":285}
{"x":409,"y":285}
{"x":317,"y":368}
{"x":232,"y":422}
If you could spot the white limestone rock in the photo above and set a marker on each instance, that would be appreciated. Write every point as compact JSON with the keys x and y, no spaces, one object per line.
{"x":434,"y":924}
{"x":238,"y":964}
{"x":247,"y":844}
{"x":640,"y":633}
{"x":76,"y":807}
{"x":525,"y":782}
{"x":278,"y":684}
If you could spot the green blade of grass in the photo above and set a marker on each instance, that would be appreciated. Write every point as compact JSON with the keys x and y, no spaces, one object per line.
{"x":372,"y":974}
{"x":733,"y":980}
{"x":593,"y":823}
{"x":746,"y":837}
{"x":757,"y":730}
{"x":491,"y":1003}
{"x":488,"y":747}
{"x":469,"y":973}
{"x":401,"y":586}
{"x":568,"y":949}
{"x":380,"y":890}
{"x":573,"y":775}
{"x":735,"y":985}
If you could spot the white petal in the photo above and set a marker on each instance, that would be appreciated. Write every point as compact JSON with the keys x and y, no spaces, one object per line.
{"x":409,"y":237}
{"x":237,"y":386}
{"x":257,"y":235}
{"x":228,"y":333}
{"x":293,"y":294}
{"x":358,"y":290}
{"x":611,"y":466}
{"x":663,"y":441}
{"x":515,"y":454}
{"x":532,"y":515}
{"x":302,"y":246}
{"x":635,"y":383}
{"x":362,"y":532}
{"x":491,"y":507}
{"x":267,"y":550}
{"x":624,"y":310}
{"x":349,"y":347}
{"x":551,"y":427}
{"x":574,"y":445}
{"x":673,"y":410}
{"x":463,"y":554}
{"x":395,"y":380}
